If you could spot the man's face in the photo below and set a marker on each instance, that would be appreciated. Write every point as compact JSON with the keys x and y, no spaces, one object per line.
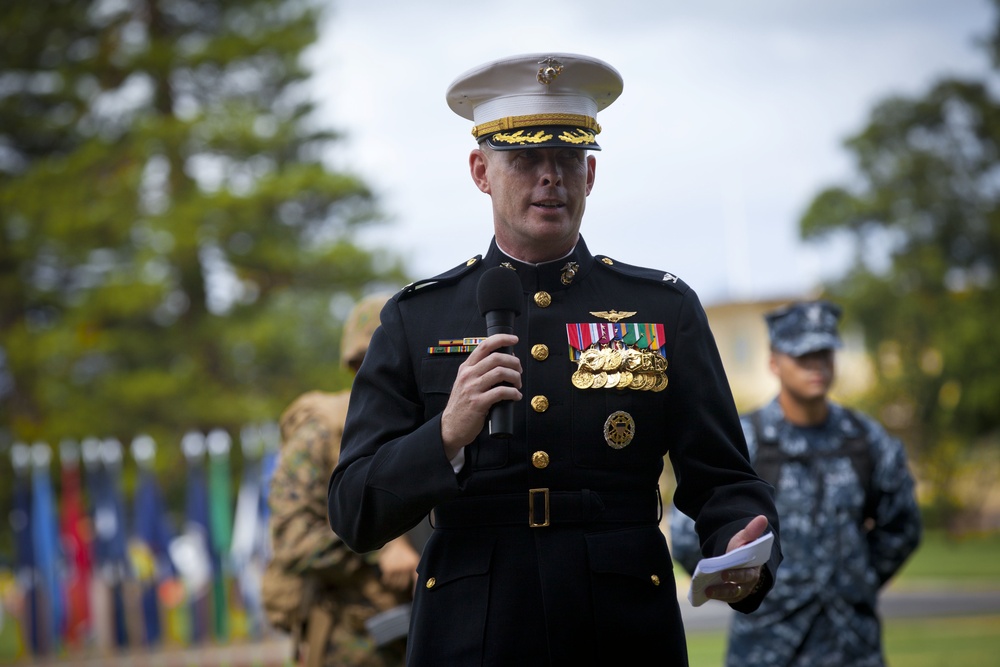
{"x":806,"y":378}
{"x":539,"y":195}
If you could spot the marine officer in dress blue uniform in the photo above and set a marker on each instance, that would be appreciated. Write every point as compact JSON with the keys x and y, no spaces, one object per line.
{"x":546,"y":547}
{"x":845,"y":495}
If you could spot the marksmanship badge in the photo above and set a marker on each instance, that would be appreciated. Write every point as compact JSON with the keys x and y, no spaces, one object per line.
{"x":619,"y":429}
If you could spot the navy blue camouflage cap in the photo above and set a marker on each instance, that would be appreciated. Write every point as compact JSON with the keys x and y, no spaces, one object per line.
{"x":803,"y":327}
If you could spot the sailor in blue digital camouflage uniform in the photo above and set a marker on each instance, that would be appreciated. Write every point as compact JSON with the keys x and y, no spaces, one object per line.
{"x":546,"y":547}
{"x":845,"y":496}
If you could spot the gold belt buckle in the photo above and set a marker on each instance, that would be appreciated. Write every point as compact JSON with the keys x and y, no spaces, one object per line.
{"x":531,"y":508}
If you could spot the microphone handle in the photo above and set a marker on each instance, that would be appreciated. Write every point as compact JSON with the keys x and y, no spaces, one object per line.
{"x":502,"y":412}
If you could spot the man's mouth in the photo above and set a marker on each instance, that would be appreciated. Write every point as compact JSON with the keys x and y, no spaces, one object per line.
{"x":549,"y":204}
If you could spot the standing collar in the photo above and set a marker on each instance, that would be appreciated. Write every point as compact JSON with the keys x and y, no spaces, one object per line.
{"x":558,"y":274}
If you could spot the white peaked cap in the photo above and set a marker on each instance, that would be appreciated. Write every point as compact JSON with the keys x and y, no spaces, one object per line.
{"x":542,"y":100}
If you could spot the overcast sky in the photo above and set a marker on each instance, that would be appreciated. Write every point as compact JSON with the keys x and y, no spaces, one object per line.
{"x":732,"y":118}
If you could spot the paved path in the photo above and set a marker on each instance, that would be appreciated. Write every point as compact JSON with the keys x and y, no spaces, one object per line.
{"x":268,"y":653}
{"x":710,"y":616}
{"x":893,"y":603}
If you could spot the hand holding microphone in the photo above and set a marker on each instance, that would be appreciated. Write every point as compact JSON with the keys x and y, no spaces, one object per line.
{"x":499,"y":297}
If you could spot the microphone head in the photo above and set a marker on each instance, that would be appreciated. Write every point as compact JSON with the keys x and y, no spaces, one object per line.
{"x":499,"y":289}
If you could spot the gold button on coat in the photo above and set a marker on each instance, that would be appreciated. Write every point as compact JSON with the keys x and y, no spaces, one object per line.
{"x":430,"y":582}
{"x":540,"y":459}
{"x":655,"y":579}
{"x":543,"y":299}
{"x":540,"y":352}
{"x":539,"y":404}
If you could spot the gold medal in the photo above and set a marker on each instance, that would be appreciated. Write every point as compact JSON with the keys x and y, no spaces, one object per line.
{"x":613,"y":379}
{"x":647,"y":360}
{"x":613,"y":360}
{"x":661,"y":382}
{"x":633,"y":359}
{"x":619,"y":429}
{"x":625,"y":381}
{"x":583,"y":379}
{"x":592,"y":360}
{"x":638,"y":381}
{"x":600,"y":379}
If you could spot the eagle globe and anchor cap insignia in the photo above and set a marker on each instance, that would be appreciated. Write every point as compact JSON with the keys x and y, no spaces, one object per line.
{"x":549,"y":70}
{"x":619,"y":429}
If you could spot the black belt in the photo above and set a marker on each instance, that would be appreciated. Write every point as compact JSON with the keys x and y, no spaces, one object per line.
{"x":538,"y":508}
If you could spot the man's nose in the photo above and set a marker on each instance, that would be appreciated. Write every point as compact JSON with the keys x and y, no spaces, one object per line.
{"x":551,"y":174}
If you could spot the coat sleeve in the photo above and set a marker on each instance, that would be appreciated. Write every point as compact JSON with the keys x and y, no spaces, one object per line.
{"x":716,"y":485}
{"x":374,"y":494}
{"x":898,"y":528}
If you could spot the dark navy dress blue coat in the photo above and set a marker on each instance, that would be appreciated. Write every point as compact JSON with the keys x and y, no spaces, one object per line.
{"x":594,"y":586}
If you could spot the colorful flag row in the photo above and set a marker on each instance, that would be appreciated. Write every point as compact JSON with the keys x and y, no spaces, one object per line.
{"x":91,"y":575}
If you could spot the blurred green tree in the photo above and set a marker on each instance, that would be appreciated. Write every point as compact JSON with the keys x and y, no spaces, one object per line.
{"x":174,"y":252}
{"x":924,"y":217}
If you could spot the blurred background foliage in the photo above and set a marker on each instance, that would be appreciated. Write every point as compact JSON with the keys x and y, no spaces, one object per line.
{"x":923,"y":214}
{"x":175,"y":254}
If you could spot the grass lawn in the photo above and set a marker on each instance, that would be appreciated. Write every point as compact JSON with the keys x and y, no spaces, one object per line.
{"x":911,"y":642}
{"x":972,"y":562}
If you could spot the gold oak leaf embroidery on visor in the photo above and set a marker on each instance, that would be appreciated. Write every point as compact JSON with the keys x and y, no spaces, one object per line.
{"x":520,"y":137}
{"x":578,"y":137}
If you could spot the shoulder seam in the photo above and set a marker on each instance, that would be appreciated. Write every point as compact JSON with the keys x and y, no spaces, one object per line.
{"x":446,"y":278}
{"x":659,"y":276}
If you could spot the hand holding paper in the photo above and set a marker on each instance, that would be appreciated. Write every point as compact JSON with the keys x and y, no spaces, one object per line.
{"x":709,"y":570}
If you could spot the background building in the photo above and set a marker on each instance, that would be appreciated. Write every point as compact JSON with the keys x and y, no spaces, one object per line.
{"x":741,"y":334}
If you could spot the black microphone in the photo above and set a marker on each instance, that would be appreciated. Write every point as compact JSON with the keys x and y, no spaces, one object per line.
{"x":499,"y":297}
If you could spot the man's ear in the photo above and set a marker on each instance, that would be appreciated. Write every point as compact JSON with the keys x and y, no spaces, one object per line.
{"x":479,"y":169}
{"x":773,"y":363}
{"x":591,"y":171}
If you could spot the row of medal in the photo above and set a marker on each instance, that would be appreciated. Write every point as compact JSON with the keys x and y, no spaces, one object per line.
{"x":612,"y":367}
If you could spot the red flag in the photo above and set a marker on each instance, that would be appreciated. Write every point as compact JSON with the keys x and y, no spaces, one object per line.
{"x":75,"y":532}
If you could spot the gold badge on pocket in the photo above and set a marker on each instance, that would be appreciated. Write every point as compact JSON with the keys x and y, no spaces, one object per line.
{"x":619,"y":429}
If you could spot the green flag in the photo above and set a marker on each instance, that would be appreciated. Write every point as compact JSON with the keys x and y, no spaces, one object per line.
{"x":221,"y":520}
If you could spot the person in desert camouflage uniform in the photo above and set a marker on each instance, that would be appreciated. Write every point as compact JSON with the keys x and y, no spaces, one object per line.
{"x":846,"y":501}
{"x":341,"y":589}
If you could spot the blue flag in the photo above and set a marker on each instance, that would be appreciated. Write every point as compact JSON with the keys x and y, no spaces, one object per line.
{"x":110,"y":530}
{"x":24,"y":547}
{"x":271,"y":437}
{"x":195,"y":560}
{"x":152,"y":534}
{"x":45,"y":539}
